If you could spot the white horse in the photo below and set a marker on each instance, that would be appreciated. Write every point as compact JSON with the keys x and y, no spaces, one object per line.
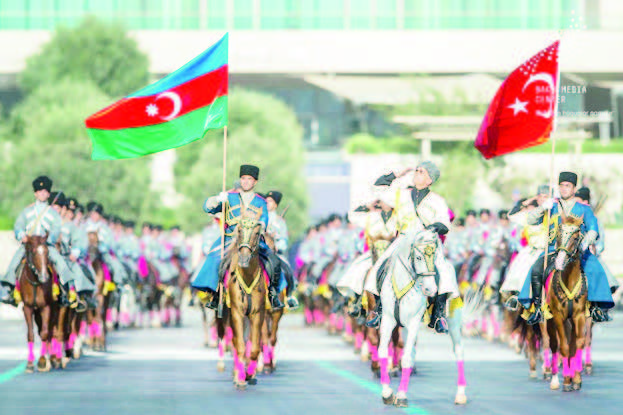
{"x":410,"y":279}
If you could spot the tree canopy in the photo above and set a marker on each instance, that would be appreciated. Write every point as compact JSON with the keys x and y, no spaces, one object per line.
{"x":96,"y":51}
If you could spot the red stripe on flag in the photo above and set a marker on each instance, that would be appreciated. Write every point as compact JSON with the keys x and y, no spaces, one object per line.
{"x":157,"y":109}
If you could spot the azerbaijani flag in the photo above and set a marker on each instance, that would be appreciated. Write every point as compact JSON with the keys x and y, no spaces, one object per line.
{"x":176,"y":110}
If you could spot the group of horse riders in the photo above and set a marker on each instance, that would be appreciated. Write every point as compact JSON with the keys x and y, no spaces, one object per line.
{"x":66,"y":223}
{"x":362,"y":243}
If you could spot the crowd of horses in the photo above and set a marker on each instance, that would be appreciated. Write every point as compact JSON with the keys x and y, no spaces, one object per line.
{"x":250,"y":328}
{"x":66,"y":329}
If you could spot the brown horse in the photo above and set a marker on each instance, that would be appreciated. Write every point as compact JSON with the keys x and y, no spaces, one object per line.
{"x":271,"y":325}
{"x":567,"y":298}
{"x":35,"y":282}
{"x":246,"y":288}
{"x":97,"y":320}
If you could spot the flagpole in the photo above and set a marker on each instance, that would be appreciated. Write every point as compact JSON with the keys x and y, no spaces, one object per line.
{"x":552,"y":169}
{"x":220,"y":288}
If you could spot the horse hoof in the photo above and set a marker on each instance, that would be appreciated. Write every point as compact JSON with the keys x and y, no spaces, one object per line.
{"x":389,"y":400}
{"x":30,"y":367}
{"x":567,"y":388}
{"x":588,"y":370}
{"x":376,"y":373}
{"x":547,"y":377}
{"x":554,"y":384}
{"x":577,"y":386}
{"x":45,"y":367}
{"x":220,"y":366}
{"x":533,"y":374}
{"x":65,"y":362}
{"x":401,"y":403}
{"x":241,"y":386}
{"x":252,"y":381}
{"x":394,"y":373}
{"x":460,"y":399}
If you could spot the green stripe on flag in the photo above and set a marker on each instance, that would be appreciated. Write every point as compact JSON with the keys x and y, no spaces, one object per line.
{"x":141,"y":141}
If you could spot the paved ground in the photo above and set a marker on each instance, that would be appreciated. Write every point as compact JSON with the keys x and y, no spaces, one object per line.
{"x":167,"y":371}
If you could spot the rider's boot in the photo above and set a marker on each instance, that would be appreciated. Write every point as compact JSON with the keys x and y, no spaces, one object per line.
{"x":598,"y":314}
{"x":374,"y":318}
{"x":273,"y":292}
{"x":438,"y":316}
{"x":537,"y":286}
{"x":354,"y":306}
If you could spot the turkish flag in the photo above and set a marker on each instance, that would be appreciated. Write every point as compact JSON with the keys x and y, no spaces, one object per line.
{"x":522,"y":112}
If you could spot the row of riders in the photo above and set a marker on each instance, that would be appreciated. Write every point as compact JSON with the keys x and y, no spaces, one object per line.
{"x":370,"y":275}
{"x":74,"y":267}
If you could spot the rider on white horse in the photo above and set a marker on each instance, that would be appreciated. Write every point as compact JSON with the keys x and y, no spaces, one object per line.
{"x":418,"y":208}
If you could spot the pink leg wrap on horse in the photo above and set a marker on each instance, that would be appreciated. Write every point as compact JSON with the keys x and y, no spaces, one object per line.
{"x":483,"y":325}
{"x":109,"y":315}
{"x":555,"y":363}
{"x":404,"y":380}
{"x":340,"y":323}
{"x":358,"y":340}
{"x":221,"y":349}
{"x":107,"y":276}
{"x":152,"y":314}
{"x":178,"y":314}
{"x":384,"y":372}
{"x":318,"y":317}
{"x":59,"y":352}
{"x":578,"y":361}
{"x":213,"y":333}
{"x":83,"y":328}
{"x":309,"y":316}
{"x":547,"y":358}
{"x":72,"y":341}
{"x":460,"y":366}
{"x":44,"y":349}
{"x":252,"y":367}
{"x":242,"y":374}
{"x":588,"y":359}
{"x":332,"y":320}
{"x":374,"y":353}
{"x":349,"y":328}
{"x":566,"y":370}
{"x":31,"y":351}
{"x":229,"y":334}
{"x":266,"y":353}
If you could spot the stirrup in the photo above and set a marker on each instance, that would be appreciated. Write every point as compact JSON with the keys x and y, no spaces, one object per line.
{"x":598,"y":315}
{"x":275,"y":301}
{"x":292,"y":303}
{"x":375,"y":321}
{"x":536,"y":317}
{"x":512,"y":303}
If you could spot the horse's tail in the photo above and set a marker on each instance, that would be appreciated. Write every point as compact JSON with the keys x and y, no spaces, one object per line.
{"x":522,"y":325}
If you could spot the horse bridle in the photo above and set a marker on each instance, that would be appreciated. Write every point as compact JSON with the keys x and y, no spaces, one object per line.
{"x":250,"y":225}
{"x":33,"y":269}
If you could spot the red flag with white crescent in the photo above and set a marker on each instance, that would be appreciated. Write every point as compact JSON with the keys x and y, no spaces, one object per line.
{"x":523,"y":111}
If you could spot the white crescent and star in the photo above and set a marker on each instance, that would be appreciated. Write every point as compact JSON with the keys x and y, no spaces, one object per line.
{"x":520,"y":106}
{"x":152,"y":109}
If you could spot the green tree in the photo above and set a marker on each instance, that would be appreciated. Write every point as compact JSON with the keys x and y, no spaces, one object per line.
{"x":460,"y":170}
{"x":94,"y":50}
{"x":51,"y":140}
{"x":263,"y":131}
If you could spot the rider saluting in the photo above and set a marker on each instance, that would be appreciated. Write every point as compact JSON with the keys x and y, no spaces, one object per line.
{"x":418,"y":208}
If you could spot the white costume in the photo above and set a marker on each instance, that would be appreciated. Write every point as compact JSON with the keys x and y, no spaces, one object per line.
{"x":520,"y":267}
{"x":358,"y":275}
{"x":431,"y":209}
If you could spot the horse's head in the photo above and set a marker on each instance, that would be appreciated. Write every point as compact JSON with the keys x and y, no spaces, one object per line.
{"x":37,"y":257}
{"x":248,"y":234}
{"x":93,"y":249}
{"x":423,"y":254}
{"x":568,"y":241}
